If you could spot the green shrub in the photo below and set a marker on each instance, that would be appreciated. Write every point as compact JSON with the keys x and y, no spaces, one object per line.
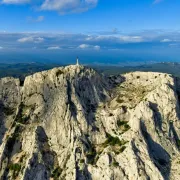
{"x":91,"y":155}
{"x":115,"y":164}
{"x":120,"y":101}
{"x":121,"y":123}
{"x":178,"y":143}
{"x":13,"y":138}
{"x":59,"y":72}
{"x":8,"y":111}
{"x":56,"y":173}
{"x":112,"y":141}
{"x":122,"y":149}
{"x":124,"y":125}
{"x":21,"y":117}
{"x":14,"y":167}
{"x":81,"y":161}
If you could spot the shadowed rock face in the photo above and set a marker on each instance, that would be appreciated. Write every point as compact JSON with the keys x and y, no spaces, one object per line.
{"x":73,"y":123}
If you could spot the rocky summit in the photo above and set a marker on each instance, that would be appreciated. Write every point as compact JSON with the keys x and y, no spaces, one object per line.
{"x":72,"y":123}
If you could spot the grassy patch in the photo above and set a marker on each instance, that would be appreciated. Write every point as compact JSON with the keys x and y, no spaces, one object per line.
{"x":130,"y":95}
{"x":116,"y":145}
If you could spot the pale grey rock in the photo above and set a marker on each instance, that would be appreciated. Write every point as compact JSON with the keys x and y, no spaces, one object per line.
{"x":73,"y":123}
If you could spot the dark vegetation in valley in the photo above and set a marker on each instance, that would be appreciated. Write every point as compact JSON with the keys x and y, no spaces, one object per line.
{"x":21,"y":70}
{"x":170,"y":68}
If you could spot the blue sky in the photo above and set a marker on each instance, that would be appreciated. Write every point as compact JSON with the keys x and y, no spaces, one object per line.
{"x":99,"y":31}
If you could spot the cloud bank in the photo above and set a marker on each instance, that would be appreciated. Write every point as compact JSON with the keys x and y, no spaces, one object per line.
{"x":53,"y":48}
{"x":87,"y":46}
{"x":31,"y":39}
{"x":146,"y":45}
{"x":81,"y":42}
{"x":69,"y":6}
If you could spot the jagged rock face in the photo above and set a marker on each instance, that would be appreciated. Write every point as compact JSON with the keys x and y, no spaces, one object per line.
{"x":73,"y":123}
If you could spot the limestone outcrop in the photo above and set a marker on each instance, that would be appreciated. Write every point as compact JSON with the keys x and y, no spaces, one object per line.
{"x":74,"y":123}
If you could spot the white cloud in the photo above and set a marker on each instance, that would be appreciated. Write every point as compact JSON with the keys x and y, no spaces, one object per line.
{"x":53,"y":48}
{"x":166,"y":40}
{"x":1,"y":47}
{"x":116,"y":49}
{"x":173,"y":44}
{"x":40,"y":40}
{"x":132,"y":39}
{"x":84,"y":46}
{"x":116,"y":38}
{"x":69,"y":6}
{"x":89,"y":38}
{"x":97,"y":47}
{"x":40,"y":18}
{"x":87,"y":46}
{"x":15,"y":1}
{"x":31,"y":39}
{"x":26,"y":39}
{"x":62,"y":6}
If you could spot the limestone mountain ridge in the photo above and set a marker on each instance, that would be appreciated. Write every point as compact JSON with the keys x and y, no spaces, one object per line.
{"x":74,"y":123}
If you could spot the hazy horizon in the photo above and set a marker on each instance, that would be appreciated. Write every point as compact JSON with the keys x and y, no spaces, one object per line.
{"x":99,"y":32}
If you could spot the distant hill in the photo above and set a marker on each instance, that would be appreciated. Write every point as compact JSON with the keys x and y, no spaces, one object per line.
{"x":170,"y":68}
